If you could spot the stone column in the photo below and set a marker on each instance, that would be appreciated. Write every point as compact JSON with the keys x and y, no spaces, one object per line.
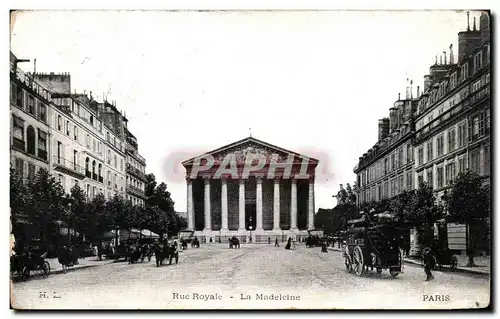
{"x":293,"y":206}
{"x":224,"y":205}
{"x":310,"y":206}
{"x":258,"y":201}
{"x":190,"y":207}
{"x":276,"y":206}
{"x":241,"y":210}
{"x":208,"y":219}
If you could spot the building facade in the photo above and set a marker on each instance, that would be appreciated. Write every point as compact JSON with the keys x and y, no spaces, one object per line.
{"x":86,"y":151}
{"x":387,"y":168}
{"x":448,"y":127}
{"x":135,"y":171}
{"x":29,"y":123}
{"x":77,"y":139}
{"x":266,"y":193}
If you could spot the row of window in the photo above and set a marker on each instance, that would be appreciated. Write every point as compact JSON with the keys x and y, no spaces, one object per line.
{"x":33,"y":142}
{"x":478,"y":91}
{"x":25,"y":169}
{"x":478,"y":61}
{"x":135,"y":183}
{"x":388,"y":188}
{"x":438,"y":176}
{"x":135,"y":201}
{"x":395,"y":160}
{"x":91,"y":144}
{"x":454,"y":138}
{"x":28,"y":102}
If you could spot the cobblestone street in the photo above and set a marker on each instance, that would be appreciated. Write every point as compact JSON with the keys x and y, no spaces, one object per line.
{"x":239,"y":276}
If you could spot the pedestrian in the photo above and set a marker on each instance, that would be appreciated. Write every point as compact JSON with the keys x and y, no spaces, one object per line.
{"x":268,"y":240}
{"x":428,"y":263}
{"x":289,"y":243}
{"x":276,"y":243}
{"x":99,"y":251}
{"x":323,"y":247}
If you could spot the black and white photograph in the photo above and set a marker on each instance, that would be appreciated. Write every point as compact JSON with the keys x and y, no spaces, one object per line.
{"x":250,"y":159}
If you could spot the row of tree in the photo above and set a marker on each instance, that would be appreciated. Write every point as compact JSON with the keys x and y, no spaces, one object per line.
{"x":41,"y":202}
{"x":467,"y":202}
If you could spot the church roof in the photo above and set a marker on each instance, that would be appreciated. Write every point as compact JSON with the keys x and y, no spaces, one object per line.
{"x":249,"y":140}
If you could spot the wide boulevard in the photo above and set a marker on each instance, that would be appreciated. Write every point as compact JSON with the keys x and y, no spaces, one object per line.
{"x":254,"y":276}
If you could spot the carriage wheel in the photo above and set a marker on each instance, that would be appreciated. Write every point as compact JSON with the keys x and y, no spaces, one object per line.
{"x":46,"y":269}
{"x":348,"y":263}
{"x":358,"y":264}
{"x":453,"y":263}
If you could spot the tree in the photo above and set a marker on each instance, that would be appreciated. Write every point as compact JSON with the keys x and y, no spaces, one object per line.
{"x":79,"y":214}
{"x":116,"y":210}
{"x":19,"y":201}
{"x":19,"y":196}
{"x":422,"y":211}
{"x":103,"y":223}
{"x":47,"y":203}
{"x":468,"y":203}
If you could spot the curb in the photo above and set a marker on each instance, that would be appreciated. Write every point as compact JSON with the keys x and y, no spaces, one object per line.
{"x":417,"y":263}
{"x":459,"y":269}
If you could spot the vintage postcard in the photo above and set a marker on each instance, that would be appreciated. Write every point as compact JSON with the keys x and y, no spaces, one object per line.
{"x":238,"y":159}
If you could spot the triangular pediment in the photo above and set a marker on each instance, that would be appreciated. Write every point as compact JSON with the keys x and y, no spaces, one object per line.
{"x":241,"y":149}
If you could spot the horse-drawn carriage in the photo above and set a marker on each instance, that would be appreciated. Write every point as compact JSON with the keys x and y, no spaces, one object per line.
{"x":164,"y":250}
{"x":22,"y":265}
{"x":234,"y":242}
{"x":373,"y":243}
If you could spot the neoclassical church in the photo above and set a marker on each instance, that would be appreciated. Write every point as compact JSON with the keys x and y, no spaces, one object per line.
{"x":250,"y":189}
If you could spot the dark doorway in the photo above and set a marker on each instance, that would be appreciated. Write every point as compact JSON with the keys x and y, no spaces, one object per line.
{"x":250,"y":216}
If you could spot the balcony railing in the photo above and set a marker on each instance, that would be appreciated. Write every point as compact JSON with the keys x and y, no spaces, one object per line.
{"x":134,"y":171}
{"x":467,"y":102}
{"x":136,"y":191}
{"x":64,"y":164}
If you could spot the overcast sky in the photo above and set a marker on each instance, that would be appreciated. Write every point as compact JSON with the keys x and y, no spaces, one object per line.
{"x":312,"y":82}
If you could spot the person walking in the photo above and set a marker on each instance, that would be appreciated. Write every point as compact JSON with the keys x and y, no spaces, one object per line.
{"x":289,"y":243}
{"x":429,"y":262}
{"x":276,"y":243}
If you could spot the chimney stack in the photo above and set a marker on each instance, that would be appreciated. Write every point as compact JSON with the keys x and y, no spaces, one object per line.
{"x":440,"y":60}
{"x":451,"y":54}
{"x":444,"y":52}
{"x":468,"y":21}
{"x":418,"y":91}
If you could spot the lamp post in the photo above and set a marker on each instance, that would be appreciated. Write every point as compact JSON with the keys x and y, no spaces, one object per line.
{"x":71,"y":219}
{"x":250,"y":227}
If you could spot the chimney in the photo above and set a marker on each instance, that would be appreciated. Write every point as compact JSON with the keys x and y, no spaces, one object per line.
{"x":451,"y":54}
{"x":418,"y":91}
{"x":468,"y":21}
{"x":444,"y":52}
{"x":475,"y":24}
{"x":440,"y":60}
{"x":383,"y":128}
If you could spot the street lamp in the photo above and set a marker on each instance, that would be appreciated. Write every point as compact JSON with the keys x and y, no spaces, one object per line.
{"x":70,"y":218}
{"x":250,"y":227}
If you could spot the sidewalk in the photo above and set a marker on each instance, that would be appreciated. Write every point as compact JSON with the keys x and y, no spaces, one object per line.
{"x":56,"y":267}
{"x":483,"y":266}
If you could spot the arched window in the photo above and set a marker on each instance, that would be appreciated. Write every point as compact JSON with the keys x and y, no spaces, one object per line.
{"x":100,"y":170}
{"x":31,"y":139}
{"x":94,"y":176}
